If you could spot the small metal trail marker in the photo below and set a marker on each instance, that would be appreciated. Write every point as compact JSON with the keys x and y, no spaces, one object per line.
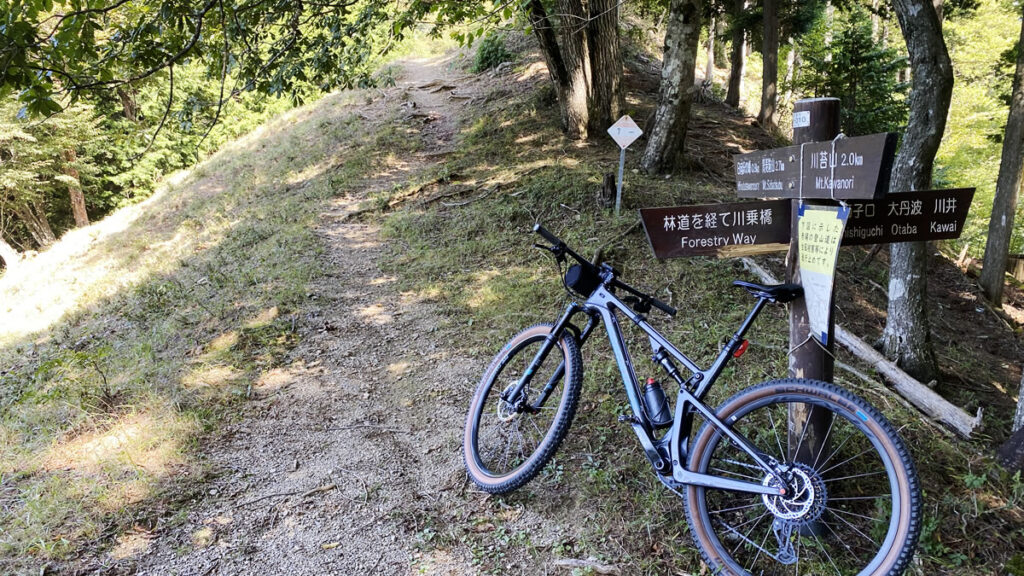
{"x":624,"y":132}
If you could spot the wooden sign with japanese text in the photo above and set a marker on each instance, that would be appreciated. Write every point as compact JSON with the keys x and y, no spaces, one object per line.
{"x":842,"y":169}
{"x":723,"y":230}
{"x":909,"y":217}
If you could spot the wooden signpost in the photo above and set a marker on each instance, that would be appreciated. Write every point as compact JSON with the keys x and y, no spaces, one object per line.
{"x":823,"y":168}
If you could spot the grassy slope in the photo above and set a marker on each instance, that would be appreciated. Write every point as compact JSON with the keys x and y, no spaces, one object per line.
{"x":181,"y":304}
{"x":126,"y":343}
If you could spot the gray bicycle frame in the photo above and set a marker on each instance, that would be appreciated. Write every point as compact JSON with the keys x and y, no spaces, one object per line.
{"x":605,"y":305}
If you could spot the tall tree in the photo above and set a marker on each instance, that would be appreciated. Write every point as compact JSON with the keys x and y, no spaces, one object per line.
{"x":770,"y":70}
{"x":666,"y":137}
{"x":737,"y":55}
{"x":906,"y":337}
{"x":1008,"y":187}
{"x":75,"y":188}
{"x":606,"y":64}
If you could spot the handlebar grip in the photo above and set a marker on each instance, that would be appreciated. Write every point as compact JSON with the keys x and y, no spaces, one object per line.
{"x":663,"y":307}
{"x":546,"y":235}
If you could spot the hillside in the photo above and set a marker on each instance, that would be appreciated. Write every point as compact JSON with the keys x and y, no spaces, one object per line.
{"x":265,"y":367}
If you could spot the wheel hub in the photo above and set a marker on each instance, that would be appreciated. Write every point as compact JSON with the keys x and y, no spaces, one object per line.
{"x":804,"y":503}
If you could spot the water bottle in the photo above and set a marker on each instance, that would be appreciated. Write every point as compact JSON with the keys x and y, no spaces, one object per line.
{"x":657,"y":406}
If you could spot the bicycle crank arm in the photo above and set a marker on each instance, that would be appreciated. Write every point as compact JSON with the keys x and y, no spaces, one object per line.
{"x":684,"y":476}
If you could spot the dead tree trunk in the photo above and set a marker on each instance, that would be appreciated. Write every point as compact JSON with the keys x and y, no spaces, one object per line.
{"x":1018,"y":418}
{"x":770,"y":74}
{"x":605,"y":63}
{"x":709,"y":71}
{"x":906,"y":338}
{"x":1008,"y":186}
{"x":75,"y":189}
{"x":666,"y":136}
{"x":34,"y":217}
{"x":737,"y":56}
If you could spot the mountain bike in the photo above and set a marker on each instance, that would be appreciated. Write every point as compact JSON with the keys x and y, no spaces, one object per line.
{"x":789,"y":476}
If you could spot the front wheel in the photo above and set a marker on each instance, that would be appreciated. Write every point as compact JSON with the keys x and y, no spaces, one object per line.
{"x":509,"y":441}
{"x":854,"y":507}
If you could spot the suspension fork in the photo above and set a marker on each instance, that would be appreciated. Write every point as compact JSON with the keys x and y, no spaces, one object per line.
{"x":514,"y":395}
{"x":560,"y":371}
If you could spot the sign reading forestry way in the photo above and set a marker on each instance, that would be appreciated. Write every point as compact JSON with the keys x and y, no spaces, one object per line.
{"x":845,"y":168}
{"x":722,"y":230}
{"x":908,"y":217}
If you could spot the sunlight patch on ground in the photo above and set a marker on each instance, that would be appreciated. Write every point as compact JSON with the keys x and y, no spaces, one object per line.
{"x":359,"y":238}
{"x":375,"y":314}
{"x":263,"y":318}
{"x":212,"y":377}
{"x":274,"y":379}
{"x":136,"y":442}
{"x":131,"y":546}
{"x":400,"y":368}
{"x":535,"y":69}
{"x":484,"y":293}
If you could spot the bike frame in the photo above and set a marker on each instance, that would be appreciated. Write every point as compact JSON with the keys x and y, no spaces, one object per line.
{"x":668,"y":453}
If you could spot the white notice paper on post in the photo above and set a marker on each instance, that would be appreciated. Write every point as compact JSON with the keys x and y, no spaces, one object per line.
{"x":820,"y":230}
{"x":625,"y":131}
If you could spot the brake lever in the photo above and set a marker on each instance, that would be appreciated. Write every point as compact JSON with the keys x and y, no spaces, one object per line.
{"x":558,"y":251}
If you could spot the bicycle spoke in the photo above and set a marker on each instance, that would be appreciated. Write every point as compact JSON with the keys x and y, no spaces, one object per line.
{"x":827,"y":555}
{"x":733,"y":509}
{"x":824,"y":442}
{"x":775,"y":431}
{"x":863,"y":452}
{"x":864,"y":475}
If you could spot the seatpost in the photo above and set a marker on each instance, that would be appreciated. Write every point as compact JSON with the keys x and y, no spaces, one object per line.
{"x":761,"y":302}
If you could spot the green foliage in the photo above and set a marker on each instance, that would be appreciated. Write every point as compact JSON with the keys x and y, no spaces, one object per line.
{"x":981,"y":47}
{"x":490,"y":52}
{"x":855,"y":69}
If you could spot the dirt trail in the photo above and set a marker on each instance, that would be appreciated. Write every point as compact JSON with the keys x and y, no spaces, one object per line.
{"x":342,"y":453}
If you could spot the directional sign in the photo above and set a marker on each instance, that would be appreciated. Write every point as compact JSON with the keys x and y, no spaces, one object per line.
{"x":722,"y":230}
{"x":909,"y":217}
{"x":847,"y":168}
{"x":625,"y":131}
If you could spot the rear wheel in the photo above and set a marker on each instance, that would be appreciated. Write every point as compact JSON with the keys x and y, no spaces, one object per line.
{"x":507,"y":442}
{"x":854,"y":507}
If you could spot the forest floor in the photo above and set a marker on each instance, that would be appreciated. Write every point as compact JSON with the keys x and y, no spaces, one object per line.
{"x":338,"y":449}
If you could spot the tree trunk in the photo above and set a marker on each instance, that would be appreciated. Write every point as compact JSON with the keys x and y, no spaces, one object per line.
{"x":737,"y":57}
{"x":606,"y":64}
{"x":1008,"y":186}
{"x":666,"y":136}
{"x":568,"y":64}
{"x":719,"y":45}
{"x":34,"y":218}
{"x":9,"y":255}
{"x":906,"y":337}
{"x":75,"y":190}
{"x":576,"y":52}
{"x":709,"y":71}
{"x":792,"y":61}
{"x":770,"y":74}
{"x":875,"y":19}
{"x":128,"y":104}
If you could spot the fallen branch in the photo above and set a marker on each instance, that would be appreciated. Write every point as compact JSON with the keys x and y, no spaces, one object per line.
{"x":324,"y":488}
{"x":590,"y":563}
{"x":922,"y":397}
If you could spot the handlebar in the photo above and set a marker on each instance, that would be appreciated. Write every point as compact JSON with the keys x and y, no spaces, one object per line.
{"x":559,"y":247}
